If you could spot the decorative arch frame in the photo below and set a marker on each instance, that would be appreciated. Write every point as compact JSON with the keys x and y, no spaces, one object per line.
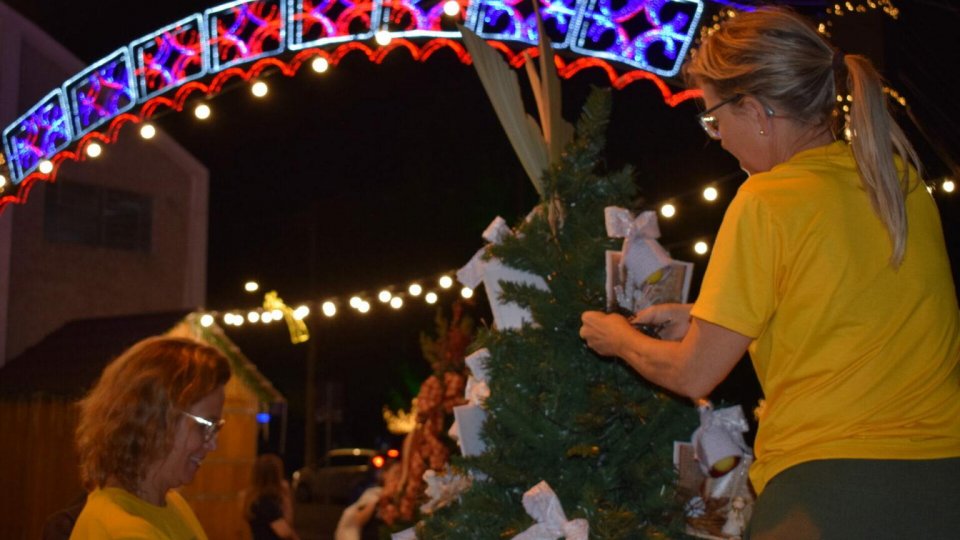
{"x":630,"y":40}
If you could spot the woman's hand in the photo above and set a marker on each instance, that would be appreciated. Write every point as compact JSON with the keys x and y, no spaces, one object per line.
{"x":672,"y":321}
{"x":604,"y":332}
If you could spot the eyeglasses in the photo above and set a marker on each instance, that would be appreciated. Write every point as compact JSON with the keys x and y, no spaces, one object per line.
{"x":709,"y":122}
{"x":210,"y":428}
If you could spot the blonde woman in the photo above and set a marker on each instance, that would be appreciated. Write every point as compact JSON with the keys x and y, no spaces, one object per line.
{"x":830,"y":268}
{"x":144,"y":430}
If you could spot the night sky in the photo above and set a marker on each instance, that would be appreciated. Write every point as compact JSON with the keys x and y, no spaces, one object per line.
{"x":373,"y":175}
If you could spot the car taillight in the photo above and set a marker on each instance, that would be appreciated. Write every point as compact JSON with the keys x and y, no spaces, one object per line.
{"x":393,"y":453}
{"x":377,"y":461}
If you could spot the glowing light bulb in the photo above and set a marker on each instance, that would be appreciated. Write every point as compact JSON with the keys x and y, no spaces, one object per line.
{"x":466,"y":292}
{"x":364,"y":307}
{"x":384,"y":296}
{"x":948,"y":185}
{"x":251,"y":286}
{"x":355,"y":302}
{"x":267,"y":317}
{"x":259,"y":89}
{"x":415,"y":289}
{"x":701,"y":247}
{"x":253,"y":316}
{"x":3,"y":181}
{"x":329,"y":308}
{"x":710,"y":193}
{"x":431,"y":298}
{"x":94,"y":150}
{"x":446,"y":282}
{"x":451,"y":7}
{"x":320,"y":64}
{"x":238,"y":320}
{"x":206,"y":320}
{"x":382,"y":37}
{"x":147,"y":131}
{"x":668,"y":210}
{"x":301,"y":313}
{"x":202,"y":111}
{"x":46,"y":166}
{"x":396,"y":302}
{"x":277,"y":314}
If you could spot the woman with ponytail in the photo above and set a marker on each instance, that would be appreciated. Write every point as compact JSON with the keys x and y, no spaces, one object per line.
{"x":830,"y":269}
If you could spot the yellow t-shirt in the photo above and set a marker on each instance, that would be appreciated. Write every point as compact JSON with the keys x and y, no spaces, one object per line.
{"x":856,"y":359}
{"x":117,"y":514}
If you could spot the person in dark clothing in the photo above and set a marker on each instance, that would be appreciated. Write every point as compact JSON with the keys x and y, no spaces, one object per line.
{"x":268,"y":504}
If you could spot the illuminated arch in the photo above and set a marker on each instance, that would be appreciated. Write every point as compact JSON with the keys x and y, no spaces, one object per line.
{"x":646,"y":39}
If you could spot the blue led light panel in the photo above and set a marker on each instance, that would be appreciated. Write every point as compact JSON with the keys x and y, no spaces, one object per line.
{"x":40,"y":133}
{"x":244,"y":31}
{"x":514,"y":20}
{"x":421,"y":18}
{"x":101,"y":92}
{"x":313,"y":23}
{"x":652,"y":35}
{"x":170,"y":56}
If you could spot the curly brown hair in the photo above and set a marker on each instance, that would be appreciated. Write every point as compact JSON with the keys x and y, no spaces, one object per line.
{"x":127,"y":419}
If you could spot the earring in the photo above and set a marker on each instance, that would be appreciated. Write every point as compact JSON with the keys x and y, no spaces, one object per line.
{"x":762,"y":132}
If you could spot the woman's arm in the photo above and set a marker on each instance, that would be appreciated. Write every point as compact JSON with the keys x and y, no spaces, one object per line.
{"x":283,"y":529}
{"x":692,"y":367}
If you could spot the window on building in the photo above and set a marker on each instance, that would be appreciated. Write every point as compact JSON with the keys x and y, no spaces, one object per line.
{"x":96,"y":216}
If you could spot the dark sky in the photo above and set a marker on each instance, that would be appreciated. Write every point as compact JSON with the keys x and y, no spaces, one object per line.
{"x":373,"y":175}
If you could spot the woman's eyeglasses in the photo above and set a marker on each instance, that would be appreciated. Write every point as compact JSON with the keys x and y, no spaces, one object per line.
{"x":210,"y":428}
{"x":709,"y":122}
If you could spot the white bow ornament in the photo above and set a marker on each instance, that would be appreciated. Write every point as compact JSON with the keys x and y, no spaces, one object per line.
{"x":543,"y":505}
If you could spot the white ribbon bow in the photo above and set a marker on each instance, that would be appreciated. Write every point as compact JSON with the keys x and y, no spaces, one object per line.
{"x":642,"y":254}
{"x":472,"y":273}
{"x":719,"y":436}
{"x":543,"y":505}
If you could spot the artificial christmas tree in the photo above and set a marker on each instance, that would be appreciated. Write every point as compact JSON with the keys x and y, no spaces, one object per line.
{"x":598,"y":435}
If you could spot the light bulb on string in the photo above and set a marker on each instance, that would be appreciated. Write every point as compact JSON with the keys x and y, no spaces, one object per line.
{"x":301,"y":313}
{"x":415,"y":289}
{"x":259,"y":89}
{"x":202,"y":111}
{"x":396,"y":302}
{"x":329,"y":308}
{"x":94,"y":150}
{"x":451,"y":7}
{"x":431,"y":297}
{"x":277,"y":314}
{"x":251,"y":286}
{"x":147,"y":131}
{"x":668,"y":210}
{"x":466,"y":292}
{"x":948,"y":185}
{"x":355,"y":302}
{"x":384,"y":296}
{"x":363,"y":307}
{"x":253,"y":316}
{"x":710,"y":193}
{"x":382,"y":37}
{"x":45,"y":166}
{"x":445,"y":282}
{"x":3,"y":181}
{"x":701,"y":248}
{"x":267,"y":317}
{"x":320,"y":64}
{"x":206,"y":320}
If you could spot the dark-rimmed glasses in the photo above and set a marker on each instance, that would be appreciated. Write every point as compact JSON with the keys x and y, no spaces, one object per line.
{"x":709,"y":122}
{"x":210,"y":428}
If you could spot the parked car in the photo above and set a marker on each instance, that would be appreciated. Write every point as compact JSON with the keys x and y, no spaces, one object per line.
{"x":342,"y":476}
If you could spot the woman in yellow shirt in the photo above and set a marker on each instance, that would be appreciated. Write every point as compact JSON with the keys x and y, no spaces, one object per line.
{"x":144,"y":429}
{"x":830,"y":268}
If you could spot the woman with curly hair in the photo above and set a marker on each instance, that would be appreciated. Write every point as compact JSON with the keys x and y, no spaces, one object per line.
{"x":144,"y":430}
{"x":268,"y":504}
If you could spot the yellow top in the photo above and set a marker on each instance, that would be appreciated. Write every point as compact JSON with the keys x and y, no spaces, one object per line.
{"x":856,"y":359}
{"x":116,"y":513}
